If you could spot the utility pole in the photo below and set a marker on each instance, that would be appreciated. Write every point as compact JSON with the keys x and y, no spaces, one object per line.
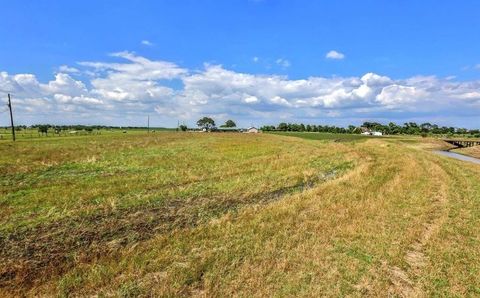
{"x":148,"y":123}
{"x":11,"y":116}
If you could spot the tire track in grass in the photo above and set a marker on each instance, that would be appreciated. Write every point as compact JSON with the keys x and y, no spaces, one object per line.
{"x":35,"y":255}
{"x":405,"y":282}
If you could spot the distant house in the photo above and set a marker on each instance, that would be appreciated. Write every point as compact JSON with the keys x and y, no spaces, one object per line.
{"x":252,"y":130}
{"x":372,"y":133}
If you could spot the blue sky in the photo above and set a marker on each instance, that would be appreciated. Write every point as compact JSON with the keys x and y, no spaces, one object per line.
{"x":258,"y":62}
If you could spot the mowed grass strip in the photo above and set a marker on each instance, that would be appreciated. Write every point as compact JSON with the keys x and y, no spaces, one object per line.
{"x":72,"y":201}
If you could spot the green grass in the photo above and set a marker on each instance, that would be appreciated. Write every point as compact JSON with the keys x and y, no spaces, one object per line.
{"x":324,"y":136}
{"x":31,"y":134}
{"x":200,"y":214}
{"x":58,"y":178}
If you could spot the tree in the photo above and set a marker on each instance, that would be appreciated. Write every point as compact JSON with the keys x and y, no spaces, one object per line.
{"x":43,"y":129}
{"x":267,"y":128}
{"x":283,"y":126}
{"x":426,"y":127}
{"x":394,"y":128}
{"x":352,"y":129}
{"x":229,"y":123}
{"x":183,"y":127}
{"x":206,"y":123}
{"x":371,"y":125}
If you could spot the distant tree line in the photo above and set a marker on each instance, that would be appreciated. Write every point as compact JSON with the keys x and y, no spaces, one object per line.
{"x":310,"y":128}
{"x":73,"y":127}
{"x":410,"y":128}
{"x":84,"y":127}
{"x":77,"y":127}
{"x":45,"y":129}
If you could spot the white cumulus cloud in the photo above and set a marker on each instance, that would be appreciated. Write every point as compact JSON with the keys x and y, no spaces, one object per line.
{"x":132,"y":86}
{"x":396,"y":95}
{"x":283,"y":62}
{"x":68,"y":69}
{"x":334,"y":55}
{"x":146,"y":43}
{"x":251,"y":99}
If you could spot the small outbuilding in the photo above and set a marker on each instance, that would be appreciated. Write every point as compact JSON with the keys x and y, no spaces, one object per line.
{"x":252,"y":130}
{"x":372,"y":133}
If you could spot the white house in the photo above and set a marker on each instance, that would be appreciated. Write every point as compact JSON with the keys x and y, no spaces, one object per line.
{"x":372,"y":133}
{"x":252,"y":130}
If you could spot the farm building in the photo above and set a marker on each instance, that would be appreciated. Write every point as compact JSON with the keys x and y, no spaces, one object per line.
{"x":372,"y":133}
{"x":252,"y":130}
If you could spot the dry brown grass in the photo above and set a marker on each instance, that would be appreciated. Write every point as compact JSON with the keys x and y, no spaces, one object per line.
{"x":470,"y":151}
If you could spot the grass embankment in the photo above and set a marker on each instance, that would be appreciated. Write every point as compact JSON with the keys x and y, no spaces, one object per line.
{"x":470,"y":151}
{"x":223,"y":214}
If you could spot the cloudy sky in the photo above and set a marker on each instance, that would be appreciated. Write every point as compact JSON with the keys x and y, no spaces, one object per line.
{"x":254,"y":61}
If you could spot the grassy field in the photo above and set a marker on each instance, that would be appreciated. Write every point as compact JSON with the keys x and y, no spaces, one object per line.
{"x":192,"y":214}
{"x":32,"y":133}
{"x":323,"y":136}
